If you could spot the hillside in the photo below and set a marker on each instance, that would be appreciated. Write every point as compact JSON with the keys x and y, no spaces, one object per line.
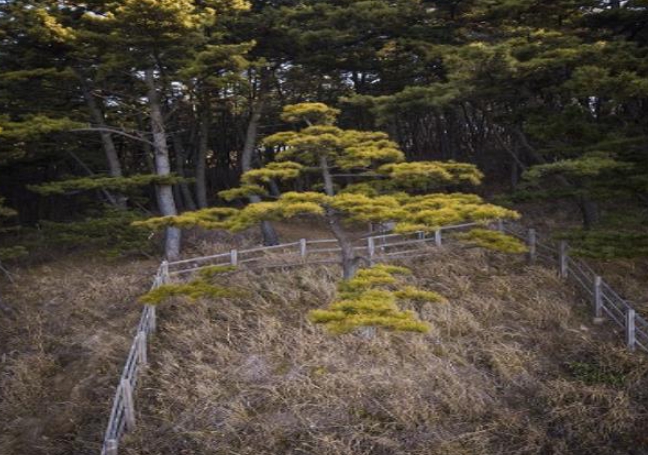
{"x":512,"y":366}
{"x":64,"y":333}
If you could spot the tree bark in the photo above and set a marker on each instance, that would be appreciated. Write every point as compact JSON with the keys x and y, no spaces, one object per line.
{"x":590,"y":212}
{"x":201,"y":158}
{"x":268,"y":232}
{"x":180,"y":155}
{"x":350,"y":262}
{"x":162,"y":166}
{"x":112,"y":158}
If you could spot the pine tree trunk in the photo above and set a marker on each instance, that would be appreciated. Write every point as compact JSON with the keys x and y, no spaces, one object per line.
{"x":590,"y":212}
{"x":201,"y":159}
{"x":349,"y":260}
{"x":180,"y":155}
{"x":268,"y":232}
{"x":112,"y":158}
{"x":162,"y":166}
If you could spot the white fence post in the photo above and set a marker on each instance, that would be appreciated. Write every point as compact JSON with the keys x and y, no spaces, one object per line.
{"x":437,"y":238}
{"x":500,"y":225}
{"x":302,"y":247}
{"x":631,"y":333}
{"x":129,"y":407}
{"x":421,"y":235}
{"x":564,"y":269}
{"x":234,"y":257}
{"x":532,"y":242}
{"x":111,"y":447}
{"x":598,"y":300}
{"x":164,"y":272}
{"x":371,"y":247}
{"x":152,"y":319}
{"x":141,"y":347}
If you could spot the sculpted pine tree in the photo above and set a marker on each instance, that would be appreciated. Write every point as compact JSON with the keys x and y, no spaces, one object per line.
{"x":358,"y":177}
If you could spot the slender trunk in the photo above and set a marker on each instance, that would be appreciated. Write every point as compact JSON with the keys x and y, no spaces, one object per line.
{"x":590,"y":212}
{"x":350,"y":261}
{"x":268,"y":232}
{"x":112,"y":158}
{"x":180,"y":156}
{"x":162,"y":166}
{"x":201,"y":158}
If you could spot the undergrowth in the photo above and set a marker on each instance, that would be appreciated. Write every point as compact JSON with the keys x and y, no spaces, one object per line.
{"x":510,"y":366}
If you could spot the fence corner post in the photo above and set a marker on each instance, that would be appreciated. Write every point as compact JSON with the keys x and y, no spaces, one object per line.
{"x":532,"y":242}
{"x":302,"y":247}
{"x":598,"y":300}
{"x":631,"y":334}
{"x":129,"y":407}
{"x":438,"y":241}
{"x":234,"y":257}
{"x":564,"y":269}
{"x":111,"y":447}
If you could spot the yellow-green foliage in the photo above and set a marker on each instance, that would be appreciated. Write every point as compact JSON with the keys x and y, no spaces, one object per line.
{"x":591,"y":164}
{"x":201,"y":287}
{"x":196,"y":289}
{"x":426,"y":174}
{"x":493,"y":240}
{"x":369,"y":300}
{"x":411,"y":213}
{"x":311,"y":113}
{"x":285,"y":170}
{"x":121,"y":184}
{"x":419,"y":295}
{"x":213,"y":270}
{"x":243,"y":192}
{"x":211,"y":218}
{"x":432,"y":211}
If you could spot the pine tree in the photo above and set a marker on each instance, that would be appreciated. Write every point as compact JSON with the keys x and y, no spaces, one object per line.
{"x":370,"y":300}
{"x":363,"y":177}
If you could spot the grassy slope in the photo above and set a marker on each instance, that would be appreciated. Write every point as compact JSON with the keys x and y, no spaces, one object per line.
{"x":512,"y":366}
{"x":62,"y":346}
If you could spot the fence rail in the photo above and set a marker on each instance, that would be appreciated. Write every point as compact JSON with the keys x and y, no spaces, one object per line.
{"x":605,"y":301}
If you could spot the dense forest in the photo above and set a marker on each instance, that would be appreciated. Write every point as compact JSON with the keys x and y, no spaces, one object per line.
{"x":113,"y":112}
{"x":368,"y":227}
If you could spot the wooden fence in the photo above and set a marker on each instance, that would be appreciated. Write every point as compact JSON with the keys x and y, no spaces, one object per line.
{"x":122,"y":415}
{"x":376,"y":248}
{"x":606,"y":303}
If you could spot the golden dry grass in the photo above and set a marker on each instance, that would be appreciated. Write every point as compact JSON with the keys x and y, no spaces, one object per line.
{"x":64,"y":335}
{"x":512,"y":366}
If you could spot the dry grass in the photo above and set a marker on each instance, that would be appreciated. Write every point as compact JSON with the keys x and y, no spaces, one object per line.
{"x":495,"y":375}
{"x":62,"y":343}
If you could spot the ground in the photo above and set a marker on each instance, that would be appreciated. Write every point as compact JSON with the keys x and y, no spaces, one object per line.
{"x":513,"y":364}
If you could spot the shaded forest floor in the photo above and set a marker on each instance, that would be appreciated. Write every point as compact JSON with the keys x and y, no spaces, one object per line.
{"x":512,"y":366}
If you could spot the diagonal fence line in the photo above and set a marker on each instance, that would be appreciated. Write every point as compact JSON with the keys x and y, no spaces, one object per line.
{"x":605,"y":300}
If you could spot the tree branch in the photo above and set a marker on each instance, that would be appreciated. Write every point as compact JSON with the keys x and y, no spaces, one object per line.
{"x":113,"y":131}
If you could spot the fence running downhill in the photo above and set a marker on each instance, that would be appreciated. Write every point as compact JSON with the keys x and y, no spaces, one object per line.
{"x":605,"y":301}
